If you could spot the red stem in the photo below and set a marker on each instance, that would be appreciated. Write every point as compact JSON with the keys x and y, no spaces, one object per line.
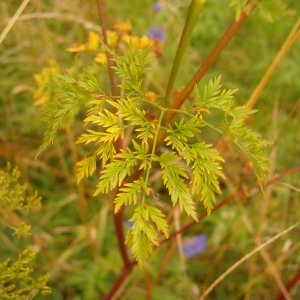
{"x":235,"y":25}
{"x":118,"y":282}
{"x":119,"y":144}
{"x":119,"y":227}
{"x":189,"y":225}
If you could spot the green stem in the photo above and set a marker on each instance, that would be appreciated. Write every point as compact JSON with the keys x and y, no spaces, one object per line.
{"x":154,"y":144}
{"x":180,"y":111}
{"x":153,"y":104}
{"x":191,"y":19}
{"x":213,"y":127}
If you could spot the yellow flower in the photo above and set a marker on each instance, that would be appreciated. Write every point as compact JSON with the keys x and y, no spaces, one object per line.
{"x":93,"y":41}
{"x":138,"y":43}
{"x":92,"y":44}
{"x":101,"y":58}
{"x":112,"y":39}
{"x":145,"y":42}
{"x":77,"y":48}
{"x":125,"y":26}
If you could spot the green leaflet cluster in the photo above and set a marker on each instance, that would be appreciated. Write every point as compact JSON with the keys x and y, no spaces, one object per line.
{"x":269,"y":10}
{"x":112,"y":118}
{"x":17,"y":278}
{"x":233,"y":124}
{"x":63,"y":95}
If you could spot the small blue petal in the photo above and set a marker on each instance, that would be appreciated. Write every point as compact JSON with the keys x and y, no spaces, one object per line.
{"x":156,"y":33}
{"x":156,"y":7}
{"x":194,"y":245}
{"x":129,"y":224}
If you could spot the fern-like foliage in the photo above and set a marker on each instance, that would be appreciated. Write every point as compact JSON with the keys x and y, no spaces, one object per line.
{"x":269,"y":10}
{"x":130,"y":112}
{"x":250,"y":142}
{"x":233,"y":124}
{"x":16,"y":278}
{"x":179,"y":133}
{"x":206,"y":170}
{"x":142,"y":236}
{"x":64,"y":95}
{"x":131,"y":67}
{"x":110,"y":119}
{"x":173,"y":176}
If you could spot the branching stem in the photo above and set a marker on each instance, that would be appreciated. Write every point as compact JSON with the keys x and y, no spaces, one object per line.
{"x":236,"y":24}
{"x":160,"y":136}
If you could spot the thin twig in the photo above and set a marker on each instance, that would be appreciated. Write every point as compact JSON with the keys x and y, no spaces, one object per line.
{"x":282,"y":52}
{"x":13,"y":20}
{"x":191,"y":224}
{"x":273,"y":270}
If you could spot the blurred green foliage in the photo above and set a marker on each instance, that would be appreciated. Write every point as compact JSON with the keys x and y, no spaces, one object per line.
{"x":15,"y":278}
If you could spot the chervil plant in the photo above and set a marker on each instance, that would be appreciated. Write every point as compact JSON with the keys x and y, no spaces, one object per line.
{"x":142,"y":153}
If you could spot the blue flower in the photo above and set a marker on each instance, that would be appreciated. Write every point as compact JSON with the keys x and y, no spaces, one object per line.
{"x":156,"y":33}
{"x":194,"y":245}
{"x":129,"y":224}
{"x":156,"y":7}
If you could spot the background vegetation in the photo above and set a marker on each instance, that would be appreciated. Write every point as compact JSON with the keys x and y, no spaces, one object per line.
{"x":74,"y":232}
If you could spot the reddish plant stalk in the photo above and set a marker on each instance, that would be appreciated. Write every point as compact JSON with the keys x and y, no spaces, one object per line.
{"x":119,"y":144}
{"x":118,"y":282}
{"x":119,"y":227}
{"x":118,"y":218}
{"x":235,"y":25}
{"x":201,"y":217}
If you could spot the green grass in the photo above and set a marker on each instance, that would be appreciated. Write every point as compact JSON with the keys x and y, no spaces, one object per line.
{"x":79,"y":248}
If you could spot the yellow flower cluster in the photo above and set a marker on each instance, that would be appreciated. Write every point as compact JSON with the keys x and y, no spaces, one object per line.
{"x":138,"y":43}
{"x":113,"y":37}
{"x":92,"y":44}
